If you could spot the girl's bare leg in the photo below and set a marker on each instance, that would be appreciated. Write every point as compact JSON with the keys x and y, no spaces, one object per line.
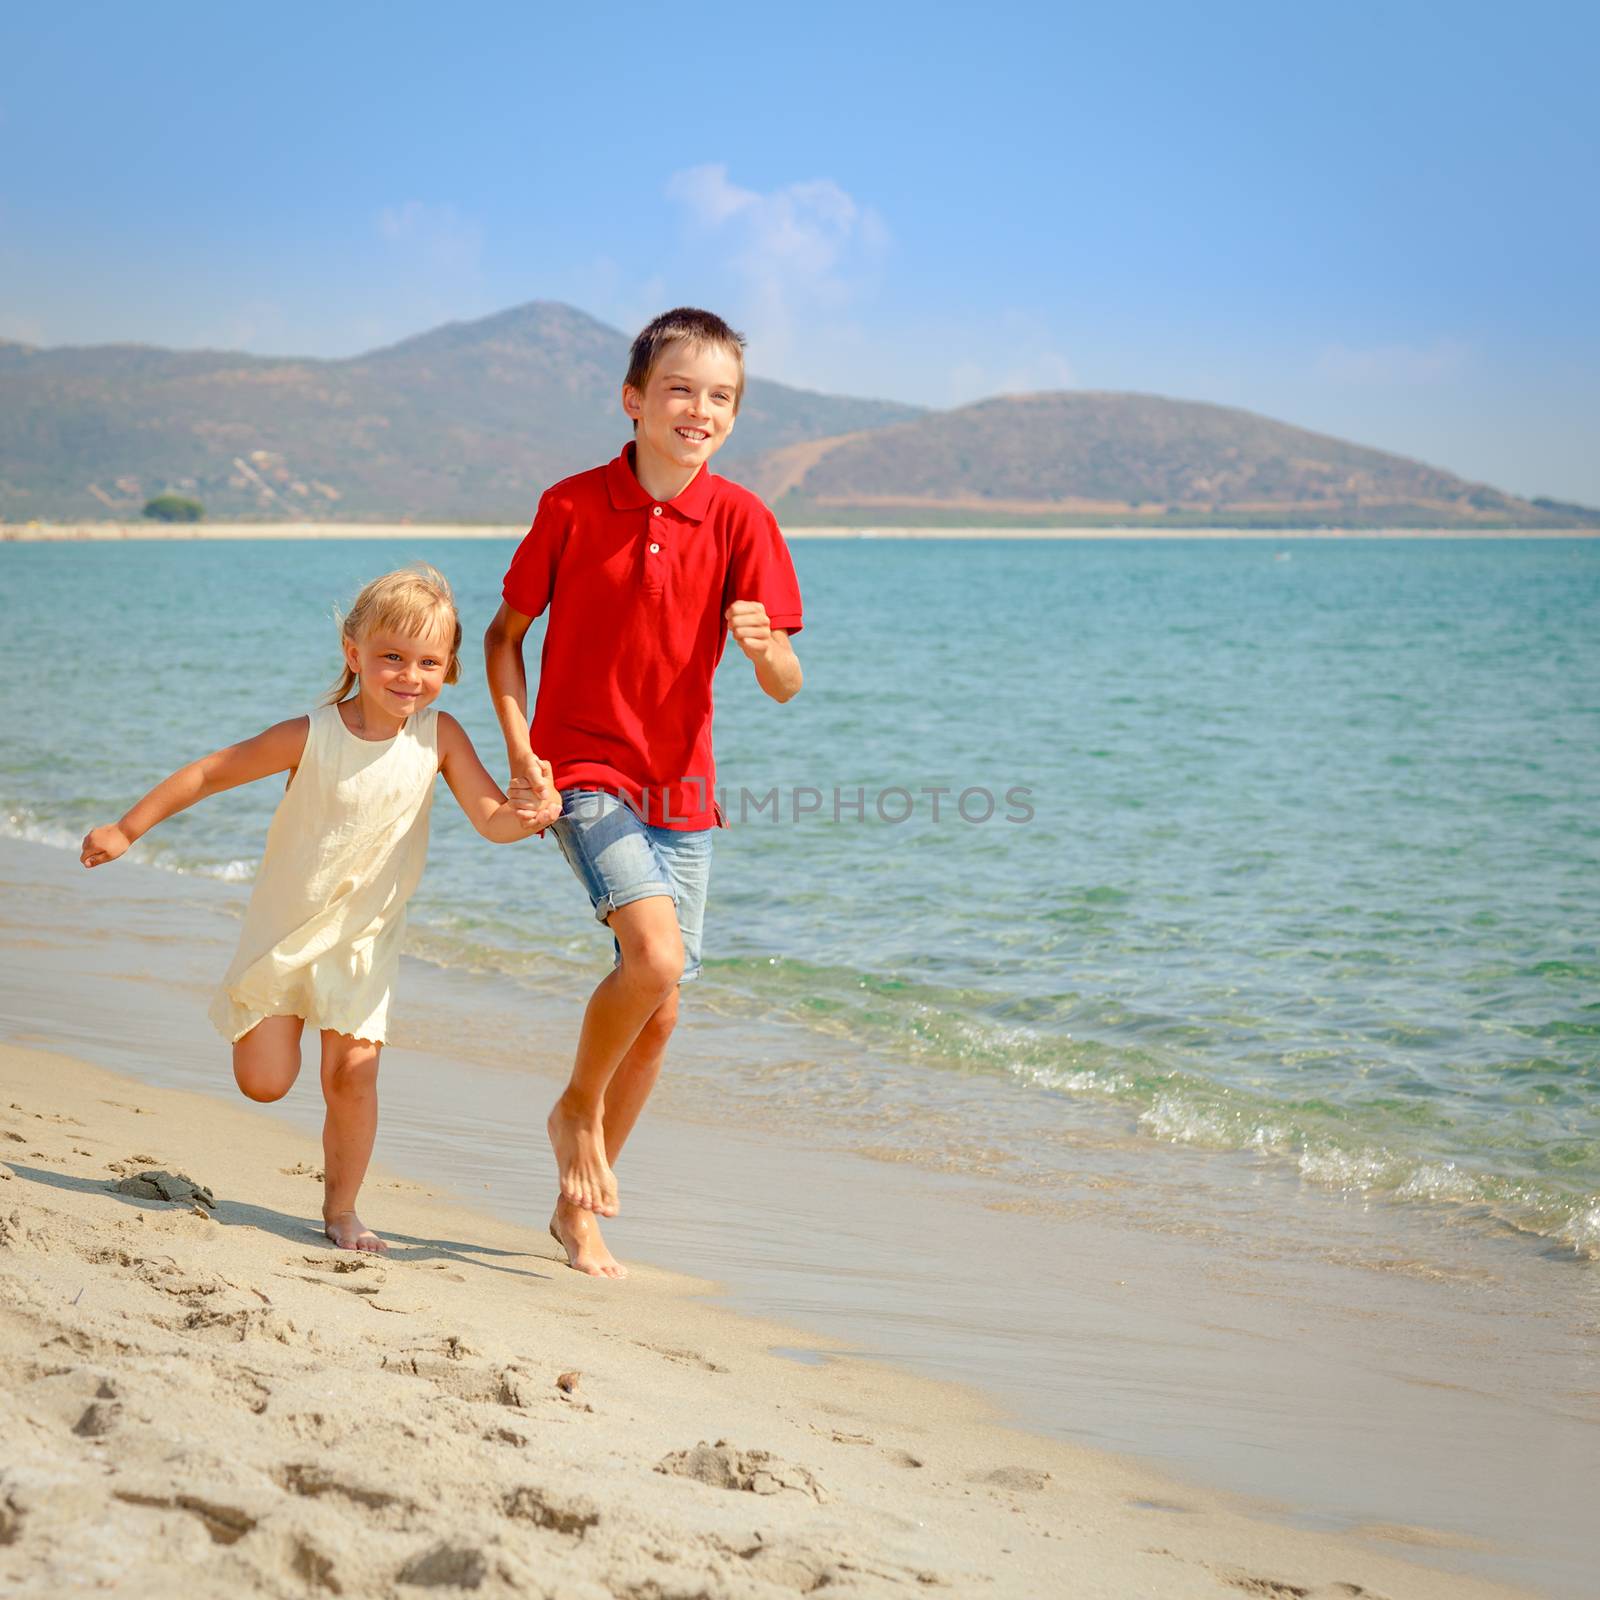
{"x":350,"y":1089}
{"x":267,"y":1060}
{"x":578,"y":1230}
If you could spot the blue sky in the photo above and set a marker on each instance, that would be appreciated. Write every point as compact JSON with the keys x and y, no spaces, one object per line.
{"x":1374,"y":220}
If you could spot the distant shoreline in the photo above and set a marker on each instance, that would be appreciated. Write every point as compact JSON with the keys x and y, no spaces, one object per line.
{"x":90,"y":532}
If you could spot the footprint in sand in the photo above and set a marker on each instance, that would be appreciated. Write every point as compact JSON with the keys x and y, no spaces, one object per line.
{"x":99,"y":1418}
{"x":684,"y":1358}
{"x":350,"y":1263}
{"x":753,"y":1471}
{"x":806,"y":1569}
{"x":1028,"y":1480}
{"x":474,"y":1381}
{"x":314,"y":1569}
{"x":573,"y":1515}
{"x":315,"y":1482}
{"x":1282,"y":1589}
{"x":445,"y":1566}
{"x":225,"y":1524}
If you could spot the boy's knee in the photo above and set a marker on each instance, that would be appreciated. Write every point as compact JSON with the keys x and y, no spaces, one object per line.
{"x":656,"y":965}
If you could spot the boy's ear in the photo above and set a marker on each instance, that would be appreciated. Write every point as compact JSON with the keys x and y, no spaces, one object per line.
{"x":632,"y":401}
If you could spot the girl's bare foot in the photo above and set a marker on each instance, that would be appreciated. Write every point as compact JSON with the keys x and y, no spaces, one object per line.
{"x":577,"y":1232}
{"x":580,"y":1146}
{"x":348,"y":1231}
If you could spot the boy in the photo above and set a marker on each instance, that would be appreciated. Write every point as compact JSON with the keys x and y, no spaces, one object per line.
{"x":647,"y":565}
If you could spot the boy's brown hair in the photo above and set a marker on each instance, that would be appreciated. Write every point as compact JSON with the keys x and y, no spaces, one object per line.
{"x":695,"y":328}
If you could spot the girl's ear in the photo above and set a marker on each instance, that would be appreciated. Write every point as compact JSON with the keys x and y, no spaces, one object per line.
{"x":352,"y":657}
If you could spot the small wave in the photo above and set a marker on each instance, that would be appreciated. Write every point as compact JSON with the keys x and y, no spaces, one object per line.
{"x":1180,"y":1121}
{"x":239,"y":870}
{"x":21,"y":823}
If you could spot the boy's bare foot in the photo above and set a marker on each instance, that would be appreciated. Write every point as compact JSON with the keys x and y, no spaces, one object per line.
{"x":580,"y":1147}
{"x":348,"y":1231}
{"x":577,"y":1232}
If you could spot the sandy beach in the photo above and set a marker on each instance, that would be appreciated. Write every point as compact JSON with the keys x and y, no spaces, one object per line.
{"x":201,"y":1396}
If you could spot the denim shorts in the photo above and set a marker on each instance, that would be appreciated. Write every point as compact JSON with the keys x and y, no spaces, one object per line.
{"x":620,"y":859}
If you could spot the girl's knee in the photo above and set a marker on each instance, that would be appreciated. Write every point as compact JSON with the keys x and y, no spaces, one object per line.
{"x":261,"y":1086}
{"x":351,"y":1076}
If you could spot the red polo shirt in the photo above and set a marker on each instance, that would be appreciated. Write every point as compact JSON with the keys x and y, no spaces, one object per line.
{"x":637,"y":589}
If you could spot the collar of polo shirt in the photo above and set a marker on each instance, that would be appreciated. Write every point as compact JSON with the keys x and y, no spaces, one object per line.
{"x":627,"y":493}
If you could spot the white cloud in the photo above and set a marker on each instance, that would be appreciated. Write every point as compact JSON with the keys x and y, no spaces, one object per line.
{"x":437,"y":238}
{"x":800,"y":254}
{"x":1393,"y":365}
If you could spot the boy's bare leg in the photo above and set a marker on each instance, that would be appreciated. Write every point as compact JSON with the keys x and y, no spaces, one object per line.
{"x":577,"y":1230}
{"x":350,"y":1088}
{"x":624,"y":1000}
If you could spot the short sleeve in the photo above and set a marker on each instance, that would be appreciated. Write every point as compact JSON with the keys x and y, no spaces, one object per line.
{"x":762,"y":569}
{"x":531,"y":578}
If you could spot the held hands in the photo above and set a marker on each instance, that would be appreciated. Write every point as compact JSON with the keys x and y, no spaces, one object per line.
{"x":534,"y":797}
{"x":101,"y":845}
{"x":751,"y":630}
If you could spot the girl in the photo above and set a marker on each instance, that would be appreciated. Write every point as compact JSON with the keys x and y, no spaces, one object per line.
{"x":321,"y":939}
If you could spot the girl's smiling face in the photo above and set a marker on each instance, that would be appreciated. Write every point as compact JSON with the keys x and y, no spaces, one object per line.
{"x":399,"y":673}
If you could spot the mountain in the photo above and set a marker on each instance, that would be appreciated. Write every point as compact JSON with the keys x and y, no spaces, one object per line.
{"x":1082,"y":458}
{"x":469,"y":421}
{"x":465,"y":423}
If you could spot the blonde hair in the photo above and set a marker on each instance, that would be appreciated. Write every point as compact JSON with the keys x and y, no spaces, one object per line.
{"x":416,"y":601}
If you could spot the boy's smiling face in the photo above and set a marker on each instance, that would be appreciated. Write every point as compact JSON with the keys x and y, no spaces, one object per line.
{"x":686,"y":409}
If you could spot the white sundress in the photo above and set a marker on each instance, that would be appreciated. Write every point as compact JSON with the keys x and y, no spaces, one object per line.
{"x":346,"y":847}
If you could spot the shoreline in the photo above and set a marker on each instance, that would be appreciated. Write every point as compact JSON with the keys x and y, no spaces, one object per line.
{"x":170,"y":1365}
{"x":1395,"y":1387}
{"x":89,"y":532}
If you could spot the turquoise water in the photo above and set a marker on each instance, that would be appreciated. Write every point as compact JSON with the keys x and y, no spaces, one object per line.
{"x":1312,"y":869}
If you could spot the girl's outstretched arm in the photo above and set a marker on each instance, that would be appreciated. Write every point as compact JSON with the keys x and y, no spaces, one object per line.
{"x":479,"y":795}
{"x":278,"y":749}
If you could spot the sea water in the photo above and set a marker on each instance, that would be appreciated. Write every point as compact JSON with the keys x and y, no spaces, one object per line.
{"x":1290,"y":849}
{"x":1231,"y":1023}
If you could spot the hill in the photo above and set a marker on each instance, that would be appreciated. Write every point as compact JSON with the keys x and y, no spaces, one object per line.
{"x":464,"y":423}
{"x":467,"y":422}
{"x":1085,"y":458}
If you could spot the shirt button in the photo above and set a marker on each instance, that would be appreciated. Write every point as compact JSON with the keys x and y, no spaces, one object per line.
{"x":655,"y":511}
{"x":655,"y":549}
